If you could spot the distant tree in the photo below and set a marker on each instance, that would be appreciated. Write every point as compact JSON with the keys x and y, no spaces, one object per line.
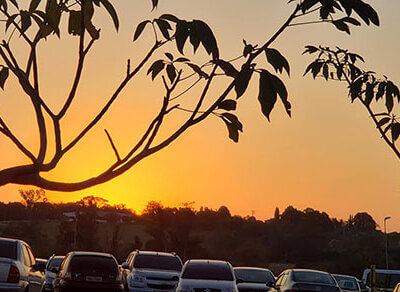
{"x":277,"y":214}
{"x":92,"y":201}
{"x":37,"y":20}
{"x":364,"y":222}
{"x":223,"y":211}
{"x":31,"y":197}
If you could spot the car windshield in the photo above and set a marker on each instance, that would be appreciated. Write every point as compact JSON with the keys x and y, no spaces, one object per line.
{"x":220,"y":272}
{"x":54,"y":263}
{"x":157,"y":262}
{"x":94,"y":265}
{"x":313,"y":277}
{"x":346,"y":283}
{"x":254,"y":276}
{"x":8,"y":249}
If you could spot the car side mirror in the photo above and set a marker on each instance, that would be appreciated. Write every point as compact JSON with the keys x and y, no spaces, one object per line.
{"x":125,"y":265}
{"x":39,"y":267}
{"x":271,"y":284}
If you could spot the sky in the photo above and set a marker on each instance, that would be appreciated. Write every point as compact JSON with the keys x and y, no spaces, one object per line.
{"x":328,"y":156}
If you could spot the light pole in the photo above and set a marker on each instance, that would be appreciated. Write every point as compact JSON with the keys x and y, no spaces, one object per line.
{"x":386,"y":241}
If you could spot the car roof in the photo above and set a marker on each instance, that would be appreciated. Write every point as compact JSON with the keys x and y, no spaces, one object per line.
{"x":345,"y":276}
{"x":148,"y":252}
{"x":90,"y":253}
{"x":208,"y":262}
{"x":12,"y":240}
{"x":251,"y":268}
{"x":309,"y":270}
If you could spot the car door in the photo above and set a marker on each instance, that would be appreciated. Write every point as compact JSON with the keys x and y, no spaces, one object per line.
{"x":35,"y":277}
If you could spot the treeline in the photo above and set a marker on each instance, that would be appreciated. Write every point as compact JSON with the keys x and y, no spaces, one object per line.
{"x":294,"y":238}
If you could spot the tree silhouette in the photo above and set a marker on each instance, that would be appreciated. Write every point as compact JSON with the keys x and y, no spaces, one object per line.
{"x":42,"y":19}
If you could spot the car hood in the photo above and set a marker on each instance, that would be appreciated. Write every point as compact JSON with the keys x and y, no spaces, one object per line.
{"x":255,"y":286}
{"x":211,"y":284}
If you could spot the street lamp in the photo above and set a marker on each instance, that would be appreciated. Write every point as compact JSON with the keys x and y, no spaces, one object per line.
{"x":386,"y":241}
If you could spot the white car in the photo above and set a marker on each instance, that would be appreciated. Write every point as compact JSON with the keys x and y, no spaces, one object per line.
{"x":149,"y":271}
{"x":207,"y":276}
{"x":18,"y":269}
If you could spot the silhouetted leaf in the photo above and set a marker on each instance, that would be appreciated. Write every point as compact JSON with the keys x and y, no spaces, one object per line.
{"x":228,"y":104}
{"x":354,"y":72}
{"x":369,"y":92}
{"x":389,"y":100}
{"x":395,"y":131}
{"x":33,"y":5}
{"x":4,"y":73}
{"x":155,"y":3}
{"x":314,"y":67}
{"x":277,"y":61}
{"x":10,"y":20}
{"x":247,"y":49}
{"x":355,"y":89}
{"x":341,"y":25}
{"x":169,"y":56}
{"x":26,"y":21}
{"x":156,"y":68}
{"x":139,"y":29}
{"x":181,"y":35}
{"x":74,"y":22}
{"x":393,"y":90}
{"x":198,"y":70}
{"x":242,"y":80}
{"x":325,"y":71}
{"x":383,"y":121}
{"x":170,"y":17}
{"x":171,"y":72}
{"x":53,"y":16}
{"x":381,"y":90}
{"x":227,"y":67}
{"x":110,"y":9}
{"x":207,"y":38}
{"x":182,"y":59}
{"x":365,"y":11}
{"x":307,"y":4}
{"x":310,"y":50}
{"x":339,"y":71}
{"x":164,"y":27}
{"x":233,"y":124}
{"x":351,"y":20}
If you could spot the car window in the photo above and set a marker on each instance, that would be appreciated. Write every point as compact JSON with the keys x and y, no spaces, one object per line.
{"x":208,"y":272}
{"x":8,"y":249}
{"x":31,"y":256}
{"x":54,"y":263}
{"x":254,"y":276}
{"x":25,"y":254}
{"x":313,"y":277}
{"x":157,"y":262}
{"x":94,"y":265}
{"x":347,"y":283}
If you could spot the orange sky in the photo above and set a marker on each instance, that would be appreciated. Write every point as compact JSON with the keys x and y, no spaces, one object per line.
{"x":328,"y":156}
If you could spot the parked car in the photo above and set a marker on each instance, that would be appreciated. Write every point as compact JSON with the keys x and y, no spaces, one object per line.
{"x":88,"y":271}
{"x":18,"y":268}
{"x":146,"y":271}
{"x":52,"y":268}
{"x":253,"y":279}
{"x":347,"y":283}
{"x":363,"y":287}
{"x":397,"y":288}
{"x":386,"y":280}
{"x":306,"y":280}
{"x":207,"y":276}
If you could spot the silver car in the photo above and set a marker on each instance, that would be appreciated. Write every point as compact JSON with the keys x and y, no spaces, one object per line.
{"x":18,"y":269}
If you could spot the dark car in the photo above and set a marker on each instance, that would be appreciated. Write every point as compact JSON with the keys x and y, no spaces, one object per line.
{"x":251,"y":279}
{"x":52,"y":268}
{"x":306,"y":280}
{"x":88,"y":271}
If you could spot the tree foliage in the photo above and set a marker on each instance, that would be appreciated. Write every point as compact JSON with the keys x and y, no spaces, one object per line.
{"x":41,"y":19}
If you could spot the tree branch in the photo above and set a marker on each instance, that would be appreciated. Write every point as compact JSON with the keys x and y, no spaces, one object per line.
{"x":113,"y":145}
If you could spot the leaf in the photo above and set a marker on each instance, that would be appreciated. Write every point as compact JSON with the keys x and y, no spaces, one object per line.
{"x":170,"y":17}
{"x":10,"y":20}
{"x":242,"y":80}
{"x":171,"y":72}
{"x":341,"y":25}
{"x":228,"y":104}
{"x":139,"y":29}
{"x":366,"y":12}
{"x":314,"y":67}
{"x":181,"y":35}
{"x":307,"y":4}
{"x":355,"y":89}
{"x":53,"y":15}
{"x":34,"y":5}
{"x":233,"y":124}
{"x":169,"y":56}
{"x":381,"y":90}
{"x":26,"y":21}
{"x":164,"y":27}
{"x":395,"y":131}
{"x":325,"y":71}
{"x":247,"y":50}
{"x":310,"y":49}
{"x":4,"y":73}
{"x":383,"y":121}
{"x":182,"y":59}
{"x":369,"y":92}
{"x":351,"y":20}
{"x":207,"y":38}
{"x":74,"y":22}
{"x":198,"y":70}
{"x":111,"y":11}
{"x":339,"y":71}
{"x":156,"y":68}
{"x":389,"y":100}
{"x":228,"y":68}
{"x":155,"y":4}
{"x":277,"y":61}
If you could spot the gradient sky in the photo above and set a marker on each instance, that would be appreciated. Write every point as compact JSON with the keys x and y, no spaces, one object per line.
{"x":328,"y":156}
